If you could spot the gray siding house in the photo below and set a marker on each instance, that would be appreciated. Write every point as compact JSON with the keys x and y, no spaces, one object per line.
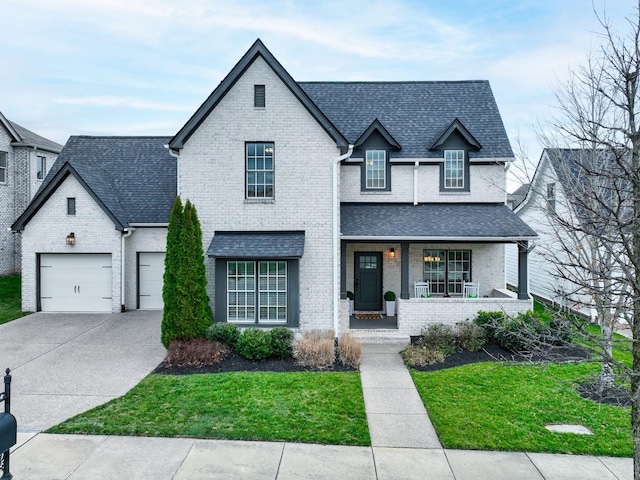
{"x":305,"y":191}
{"x":25,"y":159}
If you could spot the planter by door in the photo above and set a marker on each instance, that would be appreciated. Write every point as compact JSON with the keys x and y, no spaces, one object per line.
{"x":391,"y":308}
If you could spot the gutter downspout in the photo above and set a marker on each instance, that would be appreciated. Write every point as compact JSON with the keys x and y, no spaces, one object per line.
{"x":129,"y":231}
{"x":177,"y":157}
{"x":336,"y":242}
{"x":415,"y":182}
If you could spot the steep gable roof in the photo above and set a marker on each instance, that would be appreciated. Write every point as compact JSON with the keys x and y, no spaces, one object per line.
{"x":132,"y":178}
{"x":456,"y":126}
{"x":415,"y":113}
{"x":376,"y":126}
{"x":257,"y":50}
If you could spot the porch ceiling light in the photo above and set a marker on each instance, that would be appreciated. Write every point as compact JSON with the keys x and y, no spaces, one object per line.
{"x":71,"y":239}
{"x":392,"y":252}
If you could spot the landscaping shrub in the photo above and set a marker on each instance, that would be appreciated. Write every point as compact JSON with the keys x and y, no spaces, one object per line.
{"x":489,"y":321}
{"x":389,"y":296}
{"x":195,"y":352}
{"x":439,"y":337}
{"x":316,"y":349}
{"x":470,"y":336}
{"x":349,"y":350}
{"x":224,"y":332}
{"x":254,"y":344}
{"x":281,"y":342}
{"x":421,"y":355}
{"x":519,"y":333}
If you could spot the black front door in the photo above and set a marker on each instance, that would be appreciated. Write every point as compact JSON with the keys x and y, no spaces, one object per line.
{"x":368,"y":281}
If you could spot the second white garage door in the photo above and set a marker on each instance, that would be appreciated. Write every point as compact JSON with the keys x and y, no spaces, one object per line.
{"x":150,"y":280}
{"x":75,"y":282}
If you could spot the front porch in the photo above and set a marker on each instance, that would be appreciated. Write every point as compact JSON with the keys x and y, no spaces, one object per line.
{"x":413,"y":314}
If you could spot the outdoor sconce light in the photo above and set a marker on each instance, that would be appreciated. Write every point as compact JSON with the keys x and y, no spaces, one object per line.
{"x":392,"y":253}
{"x":71,"y":239}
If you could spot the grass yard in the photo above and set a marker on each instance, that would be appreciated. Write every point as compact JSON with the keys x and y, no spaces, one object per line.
{"x":487,"y":406}
{"x":306,"y":407}
{"x":10,"y":305}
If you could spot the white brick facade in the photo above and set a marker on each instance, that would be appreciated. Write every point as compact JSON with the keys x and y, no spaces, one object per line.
{"x":20,"y":187}
{"x":46,"y":232}
{"x":212,"y":176}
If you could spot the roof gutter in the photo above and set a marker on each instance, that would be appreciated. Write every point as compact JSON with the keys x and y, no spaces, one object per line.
{"x":336,"y":241}
{"x":367,"y":238}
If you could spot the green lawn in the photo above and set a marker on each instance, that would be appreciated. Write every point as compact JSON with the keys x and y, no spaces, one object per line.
{"x":10,"y":298}
{"x":307,"y":407}
{"x":487,"y":406}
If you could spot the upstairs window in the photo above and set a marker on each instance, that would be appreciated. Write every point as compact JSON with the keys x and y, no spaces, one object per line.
{"x":71,"y":206}
{"x":551,"y":197}
{"x":376,"y":169}
{"x":454,"y":168}
{"x":41,"y":167}
{"x":259,"y":170}
{"x":3,"y":167}
{"x":259,"y":96}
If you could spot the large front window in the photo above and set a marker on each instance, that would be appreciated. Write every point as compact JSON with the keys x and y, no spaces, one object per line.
{"x":447,"y":270}
{"x":376,"y":169}
{"x":454,"y":169}
{"x":257,"y":291}
{"x":259,"y":170}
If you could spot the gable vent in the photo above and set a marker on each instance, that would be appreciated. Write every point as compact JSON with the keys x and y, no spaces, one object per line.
{"x":259,"y":96}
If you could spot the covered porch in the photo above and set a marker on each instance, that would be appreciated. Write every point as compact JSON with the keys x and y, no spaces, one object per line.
{"x":443,"y":262}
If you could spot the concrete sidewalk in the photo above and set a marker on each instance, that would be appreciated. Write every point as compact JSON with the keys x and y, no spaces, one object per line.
{"x":75,"y":457}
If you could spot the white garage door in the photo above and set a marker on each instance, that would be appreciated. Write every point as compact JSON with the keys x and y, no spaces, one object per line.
{"x":75,"y":282}
{"x":150,"y":279}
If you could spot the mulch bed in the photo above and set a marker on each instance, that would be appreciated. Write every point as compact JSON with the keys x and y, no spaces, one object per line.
{"x":233,"y":362}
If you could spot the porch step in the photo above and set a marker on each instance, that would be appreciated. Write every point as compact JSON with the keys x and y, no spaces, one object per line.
{"x":380,"y":335}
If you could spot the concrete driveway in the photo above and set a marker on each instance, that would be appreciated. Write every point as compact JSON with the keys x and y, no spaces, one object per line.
{"x":63,"y":364}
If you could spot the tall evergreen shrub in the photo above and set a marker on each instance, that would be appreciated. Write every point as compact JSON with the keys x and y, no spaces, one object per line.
{"x":196,"y":315}
{"x":171,"y":312}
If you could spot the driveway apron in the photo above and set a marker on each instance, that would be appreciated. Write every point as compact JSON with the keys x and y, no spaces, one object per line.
{"x":63,"y":364}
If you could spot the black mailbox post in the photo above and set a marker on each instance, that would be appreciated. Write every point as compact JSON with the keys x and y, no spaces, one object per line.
{"x":8,"y":428}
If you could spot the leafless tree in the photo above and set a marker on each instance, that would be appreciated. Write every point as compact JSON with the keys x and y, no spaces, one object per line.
{"x":597,"y":248}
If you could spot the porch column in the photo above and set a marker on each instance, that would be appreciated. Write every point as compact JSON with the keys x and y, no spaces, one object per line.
{"x":343,"y":269}
{"x":404,"y":270}
{"x":523,"y":274}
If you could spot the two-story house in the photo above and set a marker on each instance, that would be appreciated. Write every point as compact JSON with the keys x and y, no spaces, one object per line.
{"x":25,"y":159}
{"x":305,"y":191}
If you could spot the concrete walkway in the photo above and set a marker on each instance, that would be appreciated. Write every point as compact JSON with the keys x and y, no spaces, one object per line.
{"x":404,"y":446}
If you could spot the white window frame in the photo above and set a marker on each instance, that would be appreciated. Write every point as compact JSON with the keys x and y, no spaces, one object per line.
{"x":454,"y":170}
{"x":41,"y":167}
{"x":376,"y":169}
{"x":259,"y":170}
{"x":551,"y":197}
{"x":259,"y":294}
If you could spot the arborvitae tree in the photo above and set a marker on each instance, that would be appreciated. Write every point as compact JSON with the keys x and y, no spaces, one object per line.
{"x":171,"y":312}
{"x":195,"y":312}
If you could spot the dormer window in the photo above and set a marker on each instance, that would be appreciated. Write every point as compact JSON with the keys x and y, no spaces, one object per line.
{"x":454,"y":177}
{"x":376,"y":169}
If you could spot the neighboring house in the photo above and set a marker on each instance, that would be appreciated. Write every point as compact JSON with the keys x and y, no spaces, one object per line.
{"x":304,"y":190}
{"x":517,"y":197}
{"x":25,"y":159}
{"x":546,"y":197}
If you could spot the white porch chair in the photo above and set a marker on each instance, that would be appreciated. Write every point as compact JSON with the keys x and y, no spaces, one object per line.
{"x":421,"y":289}
{"x":471,"y":289}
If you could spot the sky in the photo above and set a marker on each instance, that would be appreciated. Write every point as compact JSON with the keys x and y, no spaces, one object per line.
{"x":143,"y":67}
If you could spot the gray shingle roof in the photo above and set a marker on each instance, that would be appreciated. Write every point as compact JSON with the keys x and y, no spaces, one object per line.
{"x":518,"y":195}
{"x":414,"y":113}
{"x":432,"y":221}
{"x":257,"y":245}
{"x":133,"y":177}
{"x":30,"y":139}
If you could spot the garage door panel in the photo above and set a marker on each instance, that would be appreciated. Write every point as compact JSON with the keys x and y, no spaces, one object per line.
{"x":75,"y":282}
{"x":150,"y":280}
